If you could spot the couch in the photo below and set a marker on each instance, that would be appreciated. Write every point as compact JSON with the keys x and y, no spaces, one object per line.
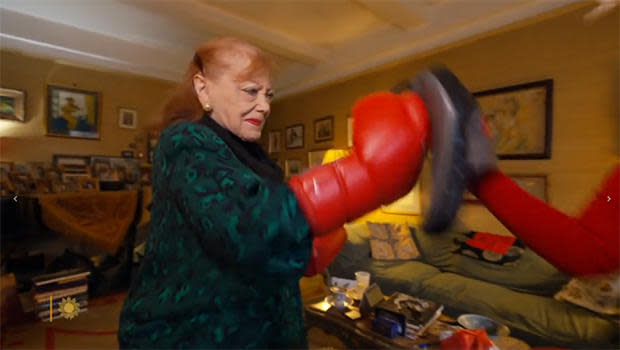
{"x":519,"y":296}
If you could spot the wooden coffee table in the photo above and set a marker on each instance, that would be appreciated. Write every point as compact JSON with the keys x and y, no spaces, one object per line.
{"x":358,"y":334}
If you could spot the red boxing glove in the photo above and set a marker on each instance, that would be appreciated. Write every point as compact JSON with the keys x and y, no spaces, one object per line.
{"x":465,"y":339}
{"x":325,"y":249}
{"x":389,"y":144}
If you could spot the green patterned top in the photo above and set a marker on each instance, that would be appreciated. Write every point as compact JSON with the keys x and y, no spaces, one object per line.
{"x":224,"y":256}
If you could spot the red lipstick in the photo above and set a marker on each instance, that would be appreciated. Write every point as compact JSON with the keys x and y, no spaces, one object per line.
{"x":253,"y":121}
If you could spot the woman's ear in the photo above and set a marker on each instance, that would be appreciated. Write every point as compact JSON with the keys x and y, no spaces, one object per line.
{"x":201,"y":87}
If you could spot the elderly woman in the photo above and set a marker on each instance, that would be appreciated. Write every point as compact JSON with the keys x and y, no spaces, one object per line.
{"x":229,"y":239}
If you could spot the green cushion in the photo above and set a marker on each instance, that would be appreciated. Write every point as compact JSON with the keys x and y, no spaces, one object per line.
{"x":530,"y":273}
{"x":552,"y":320}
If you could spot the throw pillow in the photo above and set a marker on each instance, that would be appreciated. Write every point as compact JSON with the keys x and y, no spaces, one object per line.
{"x":596,"y":293}
{"x":391,"y":242}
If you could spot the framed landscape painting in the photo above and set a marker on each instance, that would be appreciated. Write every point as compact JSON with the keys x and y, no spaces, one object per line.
{"x":72,"y":113}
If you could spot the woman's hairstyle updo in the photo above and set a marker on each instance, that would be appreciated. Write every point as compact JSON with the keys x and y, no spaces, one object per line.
{"x":211,"y":58}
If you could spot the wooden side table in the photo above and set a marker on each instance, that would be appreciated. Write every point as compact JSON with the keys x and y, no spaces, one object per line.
{"x":358,"y":334}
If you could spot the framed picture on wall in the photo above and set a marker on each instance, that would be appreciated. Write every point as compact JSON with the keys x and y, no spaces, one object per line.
{"x":274,"y":141}
{"x":12,"y":104}
{"x":295,"y":136}
{"x":316,"y":157}
{"x":127,"y":118}
{"x":292,"y":167}
{"x":324,"y":129}
{"x":72,"y":113}
{"x":519,"y":118}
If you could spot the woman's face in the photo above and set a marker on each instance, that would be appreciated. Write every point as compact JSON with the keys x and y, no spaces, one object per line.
{"x":239,"y":105}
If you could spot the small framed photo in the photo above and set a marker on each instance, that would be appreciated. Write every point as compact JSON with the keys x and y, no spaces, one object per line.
{"x":316,"y":157}
{"x":295,"y":136}
{"x":72,"y":113}
{"x":88,"y":184}
{"x":102,"y":169}
{"x":127,"y":118}
{"x":274,"y":141}
{"x":12,"y":105}
{"x":324,"y":129}
{"x":292,"y":167}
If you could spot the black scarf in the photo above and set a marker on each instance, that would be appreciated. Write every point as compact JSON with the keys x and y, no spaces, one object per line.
{"x":249,"y":153}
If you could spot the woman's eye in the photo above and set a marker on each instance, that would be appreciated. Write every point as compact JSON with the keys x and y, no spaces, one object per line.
{"x":251,"y":91}
{"x":270,"y":95}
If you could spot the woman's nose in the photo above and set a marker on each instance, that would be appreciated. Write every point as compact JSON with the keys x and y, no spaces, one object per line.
{"x":264,"y":105}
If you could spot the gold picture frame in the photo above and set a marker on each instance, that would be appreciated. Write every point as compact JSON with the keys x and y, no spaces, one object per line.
{"x":72,"y":113}
{"x":324,"y":129}
{"x":12,"y":105}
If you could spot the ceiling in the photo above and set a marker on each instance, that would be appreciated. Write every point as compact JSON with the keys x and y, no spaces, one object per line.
{"x":314,"y":42}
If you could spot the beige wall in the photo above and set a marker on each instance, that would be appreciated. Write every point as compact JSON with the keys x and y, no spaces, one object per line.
{"x":27,"y":141}
{"x":581,"y":58}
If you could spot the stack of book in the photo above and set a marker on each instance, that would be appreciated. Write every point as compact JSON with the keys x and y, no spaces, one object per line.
{"x":410,"y":315}
{"x":52,"y":289}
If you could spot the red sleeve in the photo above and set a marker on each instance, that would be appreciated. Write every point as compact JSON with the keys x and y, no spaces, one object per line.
{"x":583,"y":246}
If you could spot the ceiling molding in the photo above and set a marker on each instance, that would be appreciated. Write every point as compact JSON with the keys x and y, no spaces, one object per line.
{"x":58,"y":41}
{"x":211,"y":18}
{"x":157,"y":38}
{"x":395,"y":12}
{"x":413,"y":48}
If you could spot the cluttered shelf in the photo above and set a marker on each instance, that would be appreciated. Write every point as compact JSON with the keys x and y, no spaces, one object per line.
{"x":54,"y":233}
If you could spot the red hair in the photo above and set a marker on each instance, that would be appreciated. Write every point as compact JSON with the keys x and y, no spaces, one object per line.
{"x":210,"y":59}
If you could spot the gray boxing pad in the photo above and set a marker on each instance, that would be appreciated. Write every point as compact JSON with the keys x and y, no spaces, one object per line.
{"x":449,"y":105}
